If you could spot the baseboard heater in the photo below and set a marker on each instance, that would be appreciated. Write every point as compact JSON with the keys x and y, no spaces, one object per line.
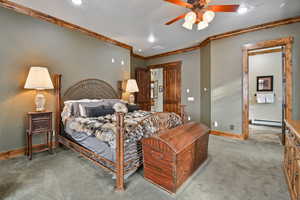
{"x":260,"y":122}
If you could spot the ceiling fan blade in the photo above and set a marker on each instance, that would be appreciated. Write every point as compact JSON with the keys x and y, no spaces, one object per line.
{"x":180,"y":3}
{"x":223,"y":8}
{"x":176,"y":19}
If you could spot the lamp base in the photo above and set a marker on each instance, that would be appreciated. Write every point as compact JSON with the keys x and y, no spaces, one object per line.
{"x":40,"y":102}
{"x":131,"y":99}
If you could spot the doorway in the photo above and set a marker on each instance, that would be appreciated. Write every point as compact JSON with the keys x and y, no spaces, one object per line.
{"x":157,"y":90}
{"x":266,"y":94}
{"x":160,"y":87}
{"x":264,"y":91}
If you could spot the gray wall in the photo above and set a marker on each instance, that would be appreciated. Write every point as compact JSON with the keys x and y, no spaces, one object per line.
{"x":226,"y":74}
{"x":136,"y":63}
{"x":205,"y":86}
{"x":26,"y":41}
{"x":190,"y":78}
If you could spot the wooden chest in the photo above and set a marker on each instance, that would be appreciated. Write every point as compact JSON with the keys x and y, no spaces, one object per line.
{"x":171,"y":157}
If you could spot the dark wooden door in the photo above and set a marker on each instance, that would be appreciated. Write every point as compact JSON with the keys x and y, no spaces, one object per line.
{"x":172,"y":87}
{"x":143,"y":79}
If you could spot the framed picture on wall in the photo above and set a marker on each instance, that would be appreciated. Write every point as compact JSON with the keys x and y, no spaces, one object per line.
{"x":264,"y":83}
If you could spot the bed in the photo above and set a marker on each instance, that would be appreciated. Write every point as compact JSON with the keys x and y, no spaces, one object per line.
{"x":110,"y":141}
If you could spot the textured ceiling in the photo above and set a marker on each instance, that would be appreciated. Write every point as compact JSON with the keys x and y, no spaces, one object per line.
{"x":133,"y":21}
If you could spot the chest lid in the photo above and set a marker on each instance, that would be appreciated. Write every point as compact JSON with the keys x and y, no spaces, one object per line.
{"x":182,"y":136}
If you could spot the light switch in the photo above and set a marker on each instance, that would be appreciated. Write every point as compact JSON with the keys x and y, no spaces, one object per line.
{"x":191,"y":99}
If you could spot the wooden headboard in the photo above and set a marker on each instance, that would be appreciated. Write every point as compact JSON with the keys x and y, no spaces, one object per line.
{"x":90,"y":89}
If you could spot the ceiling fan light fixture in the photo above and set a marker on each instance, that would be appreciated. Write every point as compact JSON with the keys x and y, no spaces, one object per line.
{"x":77,"y":2}
{"x":188,"y":25}
{"x":242,"y":10}
{"x":208,"y":16}
{"x":202,"y":25}
{"x":190,"y":17}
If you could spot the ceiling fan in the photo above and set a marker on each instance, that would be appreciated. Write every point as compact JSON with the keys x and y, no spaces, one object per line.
{"x":201,"y":13}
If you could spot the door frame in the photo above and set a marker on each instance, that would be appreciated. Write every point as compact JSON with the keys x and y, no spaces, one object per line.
{"x":171,"y":64}
{"x":287,"y":74}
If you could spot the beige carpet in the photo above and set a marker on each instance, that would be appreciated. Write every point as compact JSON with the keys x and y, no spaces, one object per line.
{"x":265,"y":134}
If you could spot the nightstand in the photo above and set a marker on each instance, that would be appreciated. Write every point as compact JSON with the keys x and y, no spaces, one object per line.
{"x":39,"y":123}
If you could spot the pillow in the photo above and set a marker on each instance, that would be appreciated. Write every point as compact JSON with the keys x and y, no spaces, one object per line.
{"x":82,"y":105}
{"x":75,"y":109}
{"x":98,"y":111}
{"x":132,"y":107}
{"x":112,"y":102}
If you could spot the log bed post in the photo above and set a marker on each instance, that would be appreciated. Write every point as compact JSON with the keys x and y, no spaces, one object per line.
{"x":120,"y":152}
{"x":57,"y":81}
{"x":183,"y":113}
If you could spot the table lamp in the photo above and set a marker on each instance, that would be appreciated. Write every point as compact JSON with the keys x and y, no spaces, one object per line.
{"x":39,"y":79}
{"x":131,"y":88}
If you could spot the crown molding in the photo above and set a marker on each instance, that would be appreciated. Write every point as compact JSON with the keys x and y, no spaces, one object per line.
{"x":138,"y":56}
{"x":230,"y":34}
{"x":39,"y":15}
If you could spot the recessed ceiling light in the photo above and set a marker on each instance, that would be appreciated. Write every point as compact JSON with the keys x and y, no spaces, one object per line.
{"x":151,"y":39}
{"x":282,"y":5}
{"x":122,"y":62}
{"x":242,"y":10}
{"x":77,"y":2}
{"x":139,"y":50}
{"x":112,"y":60}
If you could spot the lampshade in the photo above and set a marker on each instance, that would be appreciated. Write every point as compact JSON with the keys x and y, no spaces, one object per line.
{"x":202,"y":25}
{"x":38,"y":78}
{"x":190,"y":17}
{"x":132,"y":86}
{"x":208,"y":16}
{"x":188,"y":25}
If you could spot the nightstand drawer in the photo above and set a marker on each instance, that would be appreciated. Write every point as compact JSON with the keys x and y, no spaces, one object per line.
{"x":40,"y":125}
{"x":42,"y":116}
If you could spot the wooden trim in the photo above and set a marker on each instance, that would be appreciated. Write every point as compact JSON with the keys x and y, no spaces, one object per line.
{"x":264,"y":52}
{"x":224,"y":134}
{"x":245,"y":115}
{"x":230,"y":34}
{"x":287,"y":74}
{"x":163,"y":65}
{"x":192,"y":48}
{"x":39,"y":15}
{"x":21,"y":152}
{"x":268,"y":44}
{"x":138,"y":56}
{"x":256,"y":28}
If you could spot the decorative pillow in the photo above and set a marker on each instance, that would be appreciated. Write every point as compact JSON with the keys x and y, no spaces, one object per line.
{"x":82,"y":110}
{"x":132,"y":107}
{"x":112,"y":102}
{"x":98,"y":111}
{"x":120,"y":107}
{"x":76,"y":106}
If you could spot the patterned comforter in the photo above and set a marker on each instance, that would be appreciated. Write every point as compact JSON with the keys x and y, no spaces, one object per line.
{"x":138,"y":124}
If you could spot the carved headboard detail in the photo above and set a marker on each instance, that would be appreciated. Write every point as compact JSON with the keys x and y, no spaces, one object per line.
{"x":90,"y":89}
